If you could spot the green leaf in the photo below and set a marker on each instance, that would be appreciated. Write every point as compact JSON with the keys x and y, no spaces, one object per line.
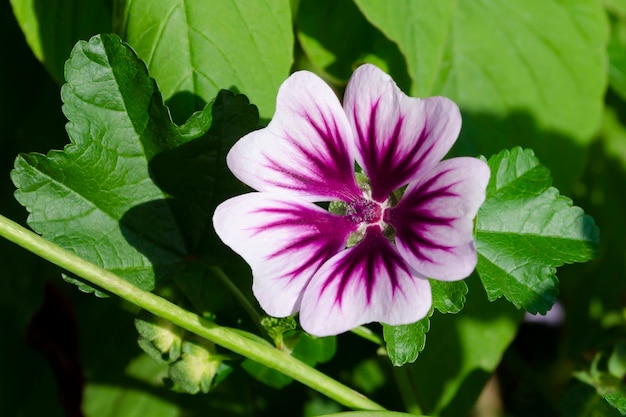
{"x":197,"y":47}
{"x":335,"y":48}
{"x":52,"y":27}
{"x":544,"y":57}
{"x":103,"y":399}
{"x":581,"y":400}
{"x":617,"y":46}
{"x":405,"y":342}
{"x":607,"y":386}
{"x":448,"y":296}
{"x":617,"y":361}
{"x":525,"y":229}
{"x":133,"y":192}
{"x":462,"y":352}
{"x":371,"y":414}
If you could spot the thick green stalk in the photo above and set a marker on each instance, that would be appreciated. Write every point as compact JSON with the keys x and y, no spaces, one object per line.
{"x":237,"y":341}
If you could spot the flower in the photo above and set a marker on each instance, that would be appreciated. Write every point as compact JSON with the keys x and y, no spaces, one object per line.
{"x":408,"y":217}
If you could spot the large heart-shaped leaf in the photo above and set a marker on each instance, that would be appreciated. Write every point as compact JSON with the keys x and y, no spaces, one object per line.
{"x":133,"y":192}
{"x":194,"y":48}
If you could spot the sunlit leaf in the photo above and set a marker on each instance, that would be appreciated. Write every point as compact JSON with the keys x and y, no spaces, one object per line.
{"x":197,"y":47}
{"x":525,"y":229}
{"x":52,"y":27}
{"x":108,"y":196}
{"x":405,"y":342}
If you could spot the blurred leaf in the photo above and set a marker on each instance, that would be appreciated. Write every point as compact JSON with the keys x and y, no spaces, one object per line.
{"x":405,"y":342}
{"x":371,"y":414}
{"x":368,"y":376}
{"x":197,"y":47}
{"x":52,"y":27}
{"x":336,"y":48}
{"x":607,"y":386}
{"x":309,"y":349}
{"x":96,"y":197}
{"x":582,"y":401}
{"x":617,"y":46}
{"x":462,"y":352}
{"x":105,"y":400}
{"x":266,"y":375}
{"x":617,"y":361}
{"x":525,"y":229}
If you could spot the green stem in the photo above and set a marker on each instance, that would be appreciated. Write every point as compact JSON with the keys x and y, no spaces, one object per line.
{"x":232,"y":339}
{"x":367,"y":334}
{"x":408,"y":391}
{"x":242,"y":299}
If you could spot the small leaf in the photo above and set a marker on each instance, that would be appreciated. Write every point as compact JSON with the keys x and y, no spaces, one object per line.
{"x":405,"y":342}
{"x":525,"y":229}
{"x":276,"y":327}
{"x":581,"y":400}
{"x":193,"y":364}
{"x":617,"y":361}
{"x":612,"y":389}
{"x":448,"y":296}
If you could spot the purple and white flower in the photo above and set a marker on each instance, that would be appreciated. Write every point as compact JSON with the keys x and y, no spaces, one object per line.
{"x":408,"y":217}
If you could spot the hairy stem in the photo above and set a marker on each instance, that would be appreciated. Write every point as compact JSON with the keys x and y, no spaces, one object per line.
{"x":248,"y":345}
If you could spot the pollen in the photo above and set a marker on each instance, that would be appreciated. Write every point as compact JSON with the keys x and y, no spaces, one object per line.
{"x":363,"y":210}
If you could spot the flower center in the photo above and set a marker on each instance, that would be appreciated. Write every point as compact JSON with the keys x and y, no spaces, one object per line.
{"x":363,"y":210}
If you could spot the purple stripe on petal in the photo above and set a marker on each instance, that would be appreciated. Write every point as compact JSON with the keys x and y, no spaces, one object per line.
{"x":307,"y":149}
{"x":319,"y":235}
{"x":398,"y":138}
{"x":365,"y":283}
{"x":284,"y":240}
{"x":325,"y":166}
{"x":433,"y":221}
{"x":373,"y":258}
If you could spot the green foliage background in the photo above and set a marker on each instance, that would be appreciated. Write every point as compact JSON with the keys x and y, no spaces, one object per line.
{"x":546,"y":75}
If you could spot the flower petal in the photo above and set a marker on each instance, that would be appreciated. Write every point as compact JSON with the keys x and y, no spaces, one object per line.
{"x":368,"y":282}
{"x":306,"y":150}
{"x":284,"y":240}
{"x":434,"y":220}
{"x":398,"y":138}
